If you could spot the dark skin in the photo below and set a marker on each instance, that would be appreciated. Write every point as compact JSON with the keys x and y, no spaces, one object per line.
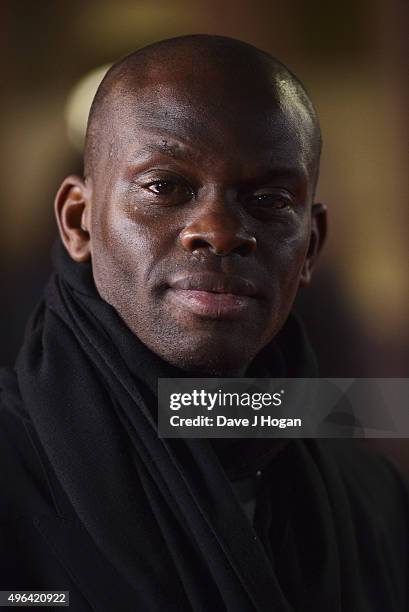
{"x":198,"y":213}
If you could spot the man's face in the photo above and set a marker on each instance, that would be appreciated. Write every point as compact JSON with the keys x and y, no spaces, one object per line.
{"x":201,"y":219}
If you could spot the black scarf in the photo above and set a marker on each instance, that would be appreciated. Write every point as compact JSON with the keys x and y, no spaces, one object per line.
{"x":163,"y":511}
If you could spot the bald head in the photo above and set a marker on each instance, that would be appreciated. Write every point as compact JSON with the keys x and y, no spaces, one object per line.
{"x":208,"y":71}
{"x":201,"y":161}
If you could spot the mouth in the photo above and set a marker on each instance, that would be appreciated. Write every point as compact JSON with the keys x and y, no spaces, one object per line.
{"x":214,"y":296}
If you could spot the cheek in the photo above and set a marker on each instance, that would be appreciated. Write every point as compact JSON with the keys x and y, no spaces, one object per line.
{"x":286,"y":256}
{"x":294,"y":255}
{"x":286,"y":263}
{"x":126,"y":255}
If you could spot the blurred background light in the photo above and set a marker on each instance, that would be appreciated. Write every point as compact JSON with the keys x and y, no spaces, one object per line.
{"x":352,"y":57}
{"x":79,"y":103}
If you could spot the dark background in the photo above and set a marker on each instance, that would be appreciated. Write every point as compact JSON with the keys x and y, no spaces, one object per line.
{"x":352,"y":57}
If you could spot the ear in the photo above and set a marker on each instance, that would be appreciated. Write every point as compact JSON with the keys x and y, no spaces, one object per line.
{"x":317,"y":238}
{"x":72,"y":209}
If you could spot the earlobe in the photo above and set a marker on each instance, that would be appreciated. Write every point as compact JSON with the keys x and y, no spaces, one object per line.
{"x":317,"y":238}
{"x":72,"y":210}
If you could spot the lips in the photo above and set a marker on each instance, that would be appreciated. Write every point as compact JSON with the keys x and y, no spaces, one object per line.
{"x":216,"y":283}
{"x":215,"y":296}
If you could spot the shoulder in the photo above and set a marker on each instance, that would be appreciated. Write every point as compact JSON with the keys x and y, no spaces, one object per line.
{"x":374,"y":492}
{"x":366,"y":472}
{"x":23,"y":483}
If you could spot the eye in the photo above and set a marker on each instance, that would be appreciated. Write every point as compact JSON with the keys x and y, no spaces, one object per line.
{"x":276,"y":200}
{"x":162,"y":187}
{"x":167,"y":191}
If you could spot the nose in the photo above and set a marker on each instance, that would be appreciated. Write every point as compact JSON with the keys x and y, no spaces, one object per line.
{"x":221,"y":234}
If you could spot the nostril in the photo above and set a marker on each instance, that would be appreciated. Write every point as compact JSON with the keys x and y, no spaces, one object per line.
{"x":218,"y":242}
{"x":199,"y":243}
{"x":243,"y":249}
{"x":246,"y":248}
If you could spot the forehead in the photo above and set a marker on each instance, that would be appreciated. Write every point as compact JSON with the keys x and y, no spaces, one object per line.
{"x":209,"y":123}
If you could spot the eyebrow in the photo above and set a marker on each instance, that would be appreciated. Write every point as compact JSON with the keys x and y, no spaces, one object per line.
{"x":169,"y":149}
{"x":286,"y":173}
{"x":175,"y":150}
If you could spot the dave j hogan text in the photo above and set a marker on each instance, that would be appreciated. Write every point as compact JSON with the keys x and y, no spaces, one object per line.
{"x":220,"y":420}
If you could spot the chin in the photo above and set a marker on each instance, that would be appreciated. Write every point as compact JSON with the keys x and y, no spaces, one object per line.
{"x":215,"y":348}
{"x":214,"y":368}
{"x":214,"y":359}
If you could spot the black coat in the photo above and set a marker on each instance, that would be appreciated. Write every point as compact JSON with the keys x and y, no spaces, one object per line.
{"x":92,"y":501}
{"x":45,"y":547}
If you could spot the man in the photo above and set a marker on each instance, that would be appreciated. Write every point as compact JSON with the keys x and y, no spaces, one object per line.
{"x":182,"y":249}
